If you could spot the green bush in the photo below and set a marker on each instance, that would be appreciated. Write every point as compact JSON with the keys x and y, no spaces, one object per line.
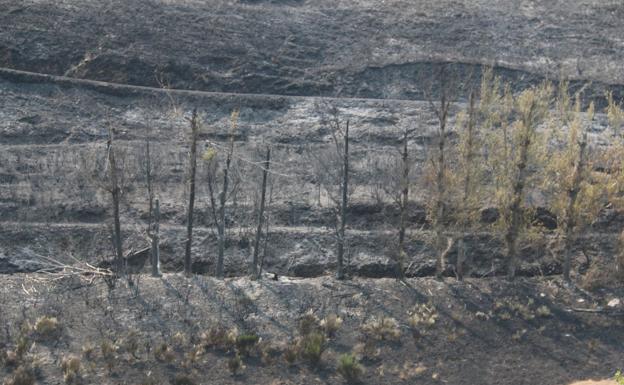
{"x":246,"y":342}
{"x":235,"y":364}
{"x":312,"y":347}
{"x":619,"y":377}
{"x":349,"y":368}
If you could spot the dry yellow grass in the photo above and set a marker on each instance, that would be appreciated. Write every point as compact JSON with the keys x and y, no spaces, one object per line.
{"x":592,"y":382}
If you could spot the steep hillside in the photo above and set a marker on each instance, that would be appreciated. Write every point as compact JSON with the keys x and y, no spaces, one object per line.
{"x":348,"y":48}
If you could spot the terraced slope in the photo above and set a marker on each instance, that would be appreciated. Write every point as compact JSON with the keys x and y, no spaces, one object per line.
{"x":271,"y":59}
{"x":54,"y":205}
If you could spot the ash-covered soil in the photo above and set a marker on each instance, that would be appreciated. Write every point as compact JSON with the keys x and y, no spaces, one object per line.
{"x":487,"y":331}
{"x":52,"y":204}
{"x":350,"y":48}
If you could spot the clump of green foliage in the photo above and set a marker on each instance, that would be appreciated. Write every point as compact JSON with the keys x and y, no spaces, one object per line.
{"x":619,"y":377}
{"x":246,"y":342}
{"x":312,"y":347}
{"x":308,"y":323}
{"x":349,"y":368}
{"x":235,"y":364}
{"x":291,"y":352}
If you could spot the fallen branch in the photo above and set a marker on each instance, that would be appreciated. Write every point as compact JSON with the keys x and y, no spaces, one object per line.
{"x":595,"y":311}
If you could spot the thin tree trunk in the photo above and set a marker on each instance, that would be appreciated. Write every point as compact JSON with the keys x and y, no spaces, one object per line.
{"x":403,"y":215}
{"x":267,"y":233}
{"x":513,"y":228}
{"x":191,"y":203}
{"x":468,"y":164}
{"x":439,"y":221}
{"x":570,"y":223}
{"x":115,"y":193}
{"x":222,"y":202}
{"x":340,"y":274}
{"x":155,"y":237}
{"x":150,"y":190}
{"x":265,"y":172}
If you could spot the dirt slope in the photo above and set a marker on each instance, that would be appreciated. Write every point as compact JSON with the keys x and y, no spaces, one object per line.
{"x":487,"y":331}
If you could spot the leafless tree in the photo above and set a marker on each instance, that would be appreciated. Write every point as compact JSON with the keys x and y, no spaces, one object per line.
{"x":151,"y":168}
{"x":389,"y":174}
{"x":333,"y":173}
{"x":256,"y":250}
{"x":194,"y":121}
{"x":229,"y":188}
{"x":115,"y":191}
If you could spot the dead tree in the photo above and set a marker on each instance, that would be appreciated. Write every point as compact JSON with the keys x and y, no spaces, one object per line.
{"x":155,"y":238}
{"x":343,"y":204}
{"x":228,"y":188}
{"x":403,"y":202}
{"x":256,"y":250}
{"x":333,"y":172}
{"x":115,"y":191}
{"x":153,"y":218}
{"x":194,"y":121}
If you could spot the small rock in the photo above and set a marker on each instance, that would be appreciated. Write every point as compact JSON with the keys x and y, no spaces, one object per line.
{"x":615,"y":302}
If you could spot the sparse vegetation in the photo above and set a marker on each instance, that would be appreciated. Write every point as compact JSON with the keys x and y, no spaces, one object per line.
{"x":23,"y":375}
{"x":71,"y":369}
{"x":235,"y":364}
{"x":312,"y":347}
{"x":246,"y":342}
{"x":422,"y":317}
{"x":47,"y":327}
{"x":349,"y":368}
{"x":183,"y":379}
{"x":331,"y":324}
{"x":444,"y":188}
{"x":619,"y":377}
{"x":382,"y":329}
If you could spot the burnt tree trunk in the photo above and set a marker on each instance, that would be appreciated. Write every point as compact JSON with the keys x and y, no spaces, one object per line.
{"x":340,"y":273}
{"x":256,"y":251}
{"x":191,"y":202}
{"x":116,"y":195}
{"x":222,"y":203}
{"x":403,"y":207}
{"x":440,"y":185}
{"x":155,"y":238}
